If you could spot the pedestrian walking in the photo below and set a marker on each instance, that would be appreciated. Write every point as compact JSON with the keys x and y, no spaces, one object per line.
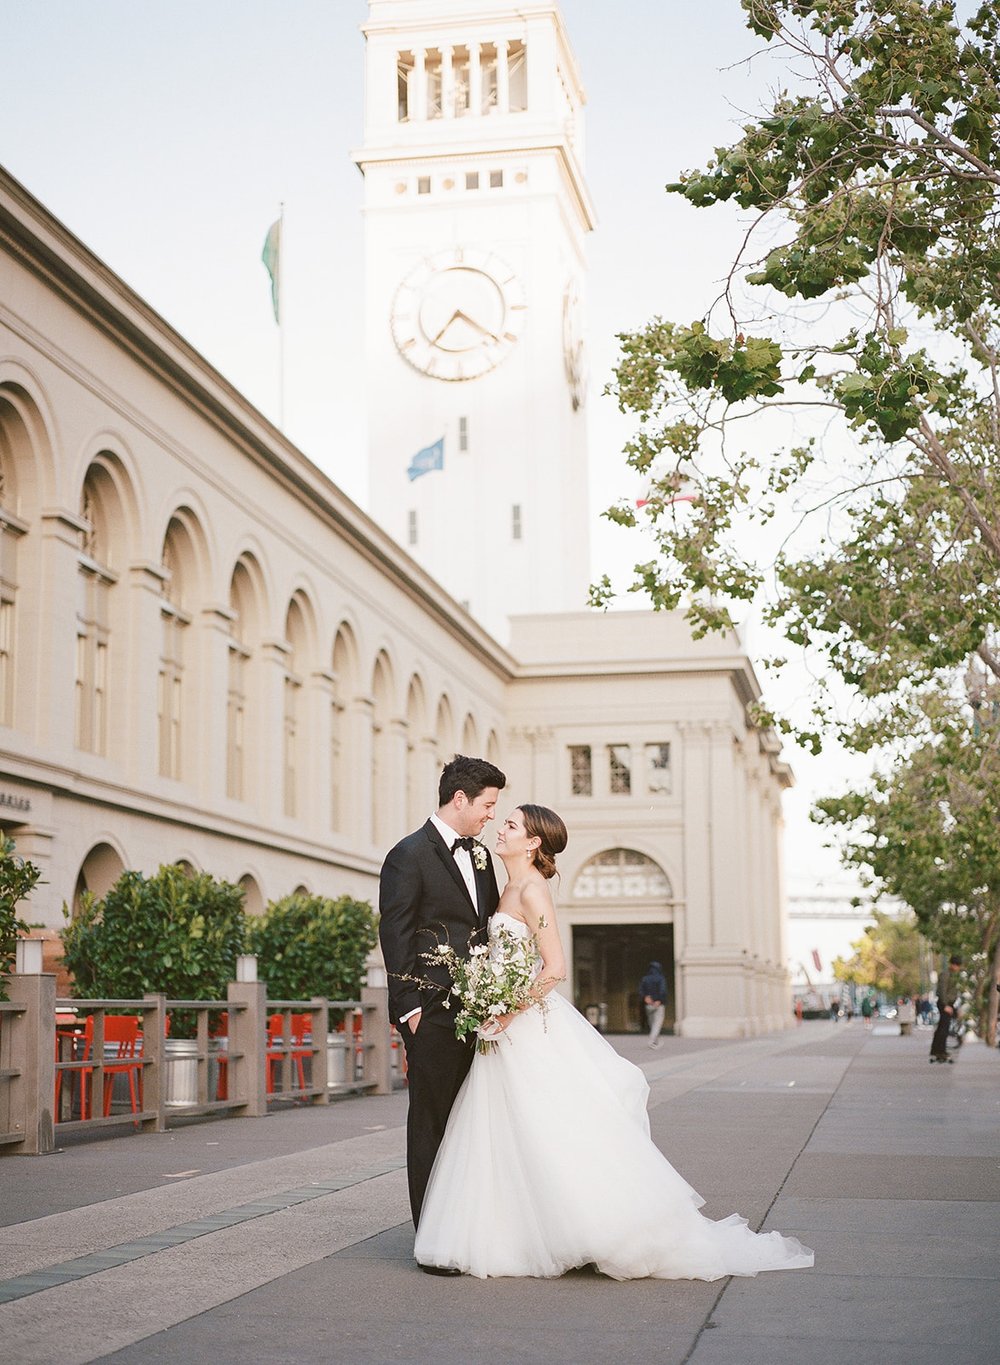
{"x":948,"y":1003}
{"x":653,"y":990}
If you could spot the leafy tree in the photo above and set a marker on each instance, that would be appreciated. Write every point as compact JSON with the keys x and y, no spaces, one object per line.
{"x":17,"y":879}
{"x":872,"y":301}
{"x":928,"y":832}
{"x":177,"y":932}
{"x":309,"y":945}
{"x":887,"y":957}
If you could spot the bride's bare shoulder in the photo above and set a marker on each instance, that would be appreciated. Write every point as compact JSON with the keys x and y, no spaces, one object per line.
{"x":536,"y":903}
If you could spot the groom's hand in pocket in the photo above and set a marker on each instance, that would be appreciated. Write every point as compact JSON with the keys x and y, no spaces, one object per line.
{"x":413,"y":1023}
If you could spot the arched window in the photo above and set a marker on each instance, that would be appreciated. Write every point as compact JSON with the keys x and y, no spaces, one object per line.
{"x":416,"y":725}
{"x":470,"y":739}
{"x":382,"y":774}
{"x":242,"y":638}
{"x":621,"y":874}
{"x":98,"y":873}
{"x":344,"y":689}
{"x":175,"y":617}
{"x":100,"y":509}
{"x":295,"y":664}
{"x":11,"y":529}
{"x":444,"y":732}
{"x":253,"y":899}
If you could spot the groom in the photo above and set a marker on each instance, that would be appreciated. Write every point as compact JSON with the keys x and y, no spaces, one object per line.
{"x":437,"y":886}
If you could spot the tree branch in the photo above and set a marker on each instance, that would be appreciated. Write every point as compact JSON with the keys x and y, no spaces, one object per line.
{"x":957,"y":148}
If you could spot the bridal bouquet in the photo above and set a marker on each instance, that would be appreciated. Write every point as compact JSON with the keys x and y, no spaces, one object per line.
{"x":490,"y":982}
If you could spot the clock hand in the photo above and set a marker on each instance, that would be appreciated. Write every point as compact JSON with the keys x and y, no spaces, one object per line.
{"x":459,"y":316}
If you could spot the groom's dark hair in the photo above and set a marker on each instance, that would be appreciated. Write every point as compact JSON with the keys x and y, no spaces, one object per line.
{"x":469,"y":775}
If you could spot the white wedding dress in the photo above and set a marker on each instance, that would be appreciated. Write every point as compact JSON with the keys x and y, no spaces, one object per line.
{"x":547,"y":1164}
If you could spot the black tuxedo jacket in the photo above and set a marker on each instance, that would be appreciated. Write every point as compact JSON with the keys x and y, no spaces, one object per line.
{"x":423,"y":900}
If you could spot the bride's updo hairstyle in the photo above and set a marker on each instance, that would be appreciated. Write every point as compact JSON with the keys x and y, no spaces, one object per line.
{"x":542,"y":823}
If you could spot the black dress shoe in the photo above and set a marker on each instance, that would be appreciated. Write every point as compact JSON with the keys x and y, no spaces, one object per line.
{"x":439,"y":1269}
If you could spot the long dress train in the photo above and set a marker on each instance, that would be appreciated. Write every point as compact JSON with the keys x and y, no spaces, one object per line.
{"x":547,"y":1164}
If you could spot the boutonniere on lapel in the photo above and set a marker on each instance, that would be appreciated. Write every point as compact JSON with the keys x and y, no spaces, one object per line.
{"x":480,"y":857}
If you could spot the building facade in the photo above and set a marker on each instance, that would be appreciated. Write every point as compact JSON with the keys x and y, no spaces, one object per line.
{"x":640,"y":738}
{"x":210,"y":655}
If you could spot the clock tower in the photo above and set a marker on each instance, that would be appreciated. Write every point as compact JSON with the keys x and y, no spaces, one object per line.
{"x":476,"y":213}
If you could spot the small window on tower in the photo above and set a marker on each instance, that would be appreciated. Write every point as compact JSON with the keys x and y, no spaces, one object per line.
{"x":658,"y":769}
{"x":411,"y":530}
{"x":488,"y":78}
{"x":515,"y":521}
{"x":404,"y":84}
{"x":432,"y":72}
{"x":423,"y":184}
{"x":496,"y":180}
{"x":460,"y":80}
{"x":581,"y":777}
{"x":517,"y":76}
{"x":463,"y":433}
{"x":472,"y":180}
{"x":620,"y":769}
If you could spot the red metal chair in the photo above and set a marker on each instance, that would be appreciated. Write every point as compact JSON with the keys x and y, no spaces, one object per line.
{"x":69,"y":1036}
{"x":300,"y":1025}
{"x":222,"y":1031}
{"x":121,"y":1032}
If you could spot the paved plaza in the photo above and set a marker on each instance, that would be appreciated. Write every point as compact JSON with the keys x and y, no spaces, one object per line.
{"x":286,"y":1239}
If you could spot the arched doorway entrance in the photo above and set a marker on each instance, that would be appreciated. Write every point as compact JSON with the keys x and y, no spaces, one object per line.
{"x":622,"y":920}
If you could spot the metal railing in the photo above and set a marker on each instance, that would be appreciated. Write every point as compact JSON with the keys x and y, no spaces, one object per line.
{"x":11,"y":1073}
{"x":58,"y":1078}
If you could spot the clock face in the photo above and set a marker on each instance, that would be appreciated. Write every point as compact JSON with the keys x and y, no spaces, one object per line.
{"x":458,"y":314}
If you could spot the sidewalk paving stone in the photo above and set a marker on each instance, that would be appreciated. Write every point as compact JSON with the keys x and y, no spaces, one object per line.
{"x":846,"y":1138}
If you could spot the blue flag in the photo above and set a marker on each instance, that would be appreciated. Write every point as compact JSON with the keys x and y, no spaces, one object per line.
{"x":431,"y":457}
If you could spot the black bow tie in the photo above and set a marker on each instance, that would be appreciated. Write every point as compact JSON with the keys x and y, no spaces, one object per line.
{"x":468,"y":842}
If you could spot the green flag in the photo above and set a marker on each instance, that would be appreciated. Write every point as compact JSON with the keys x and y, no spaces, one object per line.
{"x":271,"y":256}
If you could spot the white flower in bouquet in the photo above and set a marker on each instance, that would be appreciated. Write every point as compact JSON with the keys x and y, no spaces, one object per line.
{"x":491,"y":982}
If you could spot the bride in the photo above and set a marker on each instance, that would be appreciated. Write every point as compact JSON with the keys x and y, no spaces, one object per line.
{"x":547,"y":1162}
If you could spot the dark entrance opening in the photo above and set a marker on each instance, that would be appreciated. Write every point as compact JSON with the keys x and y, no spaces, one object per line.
{"x":609,"y":961}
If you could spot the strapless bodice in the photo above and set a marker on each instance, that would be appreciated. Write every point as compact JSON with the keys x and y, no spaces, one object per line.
{"x":517,"y":925}
{"x":504,"y":928}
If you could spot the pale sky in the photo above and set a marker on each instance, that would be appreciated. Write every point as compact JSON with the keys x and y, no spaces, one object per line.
{"x":165,"y":136}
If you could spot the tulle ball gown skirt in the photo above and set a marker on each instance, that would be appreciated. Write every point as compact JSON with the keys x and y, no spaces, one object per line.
{"x":547,"y":1164}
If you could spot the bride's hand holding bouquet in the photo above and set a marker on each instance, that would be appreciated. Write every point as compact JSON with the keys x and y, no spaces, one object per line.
{"x":491,"y":985}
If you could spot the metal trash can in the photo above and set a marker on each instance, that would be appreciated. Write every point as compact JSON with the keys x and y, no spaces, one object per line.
{"x":338,"y":1055}
{"x":181,"y":1081}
